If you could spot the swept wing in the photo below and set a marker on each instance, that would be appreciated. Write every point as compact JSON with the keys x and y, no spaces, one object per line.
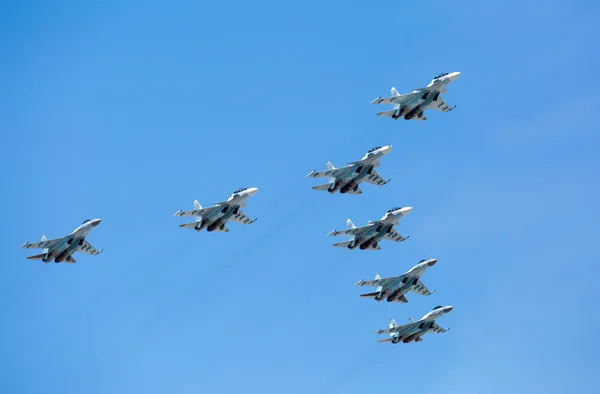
{"x":420,"y":288}
{"x":380,"y":282}
{"x":241,"y":217}
{"x":394,"y":235}
{"x":351,"y":231}
{"x":400,"y":99}
{"x":375,"y":178}
{"x":198,"y":212}
{"x":43,"y":244}
{"x":440,"y":105}
{"x":331,"y":173}
{"x":87,"y":248}
{"x":399,"y":329}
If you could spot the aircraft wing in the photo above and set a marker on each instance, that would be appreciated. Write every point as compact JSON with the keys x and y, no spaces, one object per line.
{"x":87,"y":248}
{"x":420,"y":288}
{"x":198,"y":212}
{"x":399,"y":329}
{"x":400,"y":99}
{"x":375,"y":178}
{"x":440,"y":105}
{"x":43,"y":244}
{"x":437,"y":329}
{"x":241,"y":217}
{"x":379,"y":282}
{"x":350,"y":231}
{"x":333,"y":173}
{"x":394,"y":235}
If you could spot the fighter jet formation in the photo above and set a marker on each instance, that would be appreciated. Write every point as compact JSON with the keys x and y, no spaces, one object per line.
{"x":345,"y":180}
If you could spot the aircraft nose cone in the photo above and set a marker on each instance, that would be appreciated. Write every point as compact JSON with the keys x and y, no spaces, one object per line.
{"x":387,"y":149}
{"x":406,"y":210}
{"x":449,"y":308}
{"x":431,"y":262}
{"x":96,"y":222}
{"x":252,"y":191}
{"x":454,"y":75}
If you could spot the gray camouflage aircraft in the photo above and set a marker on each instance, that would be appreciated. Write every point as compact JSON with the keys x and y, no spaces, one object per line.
{"x":214,"y":218}
{"x":346,"y":179}
{"x":368,"y":237}
{"x":61,"y":249}
{"x":412,"y":105}
{"x":414,"y":330}
{"x":394,"y":288}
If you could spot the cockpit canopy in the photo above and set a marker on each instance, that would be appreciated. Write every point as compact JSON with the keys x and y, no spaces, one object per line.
{"x":394,"y":209}
{"x":437,"y":307}
{"x":240,"y":190}
{"x":422,"y":261}
{"x":374,"y":149}
{"x":441,"y":75}
{"x":86,"y":220}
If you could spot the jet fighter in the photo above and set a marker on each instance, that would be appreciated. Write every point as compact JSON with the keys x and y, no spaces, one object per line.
{"x":414,"y":330}
{"x":412,"y":105}
{"x":368,"y":237}
{"x":214,"y":218}
{"x":394,"y":288}
{"x":346,"y":179}
{"x":61,"y":249}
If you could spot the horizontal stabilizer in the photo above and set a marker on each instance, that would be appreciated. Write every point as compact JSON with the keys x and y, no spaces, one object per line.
{"x":343,"y":244}
{"x":387,"y":113}
{"x":402,"y":299}
{"x":322,"y":187}
{"x":386,"y":340}
{"x":37,"y":257}
{"x":189,"y":225}
{"x":370,"y":295}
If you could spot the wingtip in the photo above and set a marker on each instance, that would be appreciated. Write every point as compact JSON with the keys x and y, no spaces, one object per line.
{"x":359,"y":282}
{"x":310,"y":173}
{"x":101,"y":250}
{"x":25,"y":244}
{"x":375,"y":100}
{"x":178,"y":213}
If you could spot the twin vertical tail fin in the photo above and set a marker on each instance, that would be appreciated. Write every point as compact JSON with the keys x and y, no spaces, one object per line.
{"x":41,"y":255}
{"x":330,"y":167}
{"x":197,"y":206}
{"x":394,"y":92}
{"x":45,"y":250}
{"x":379,"y":288}
{"x":349,"y":224}
{"x":393,"y":323}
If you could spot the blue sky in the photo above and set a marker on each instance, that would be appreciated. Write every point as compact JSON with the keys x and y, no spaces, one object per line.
{"x":129,"y":111}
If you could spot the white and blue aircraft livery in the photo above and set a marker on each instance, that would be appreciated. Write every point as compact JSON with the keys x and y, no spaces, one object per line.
{"x":412,"y":105}
{"x":346,"y":179}
{"x":414,"y":330}
{"x":394,"y":288}
{"x":368,"y":237}
{"x":61,"y":249}
{"x":214,"y":218}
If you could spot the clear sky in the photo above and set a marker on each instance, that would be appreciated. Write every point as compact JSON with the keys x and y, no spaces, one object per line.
{"x":129,"y":111}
